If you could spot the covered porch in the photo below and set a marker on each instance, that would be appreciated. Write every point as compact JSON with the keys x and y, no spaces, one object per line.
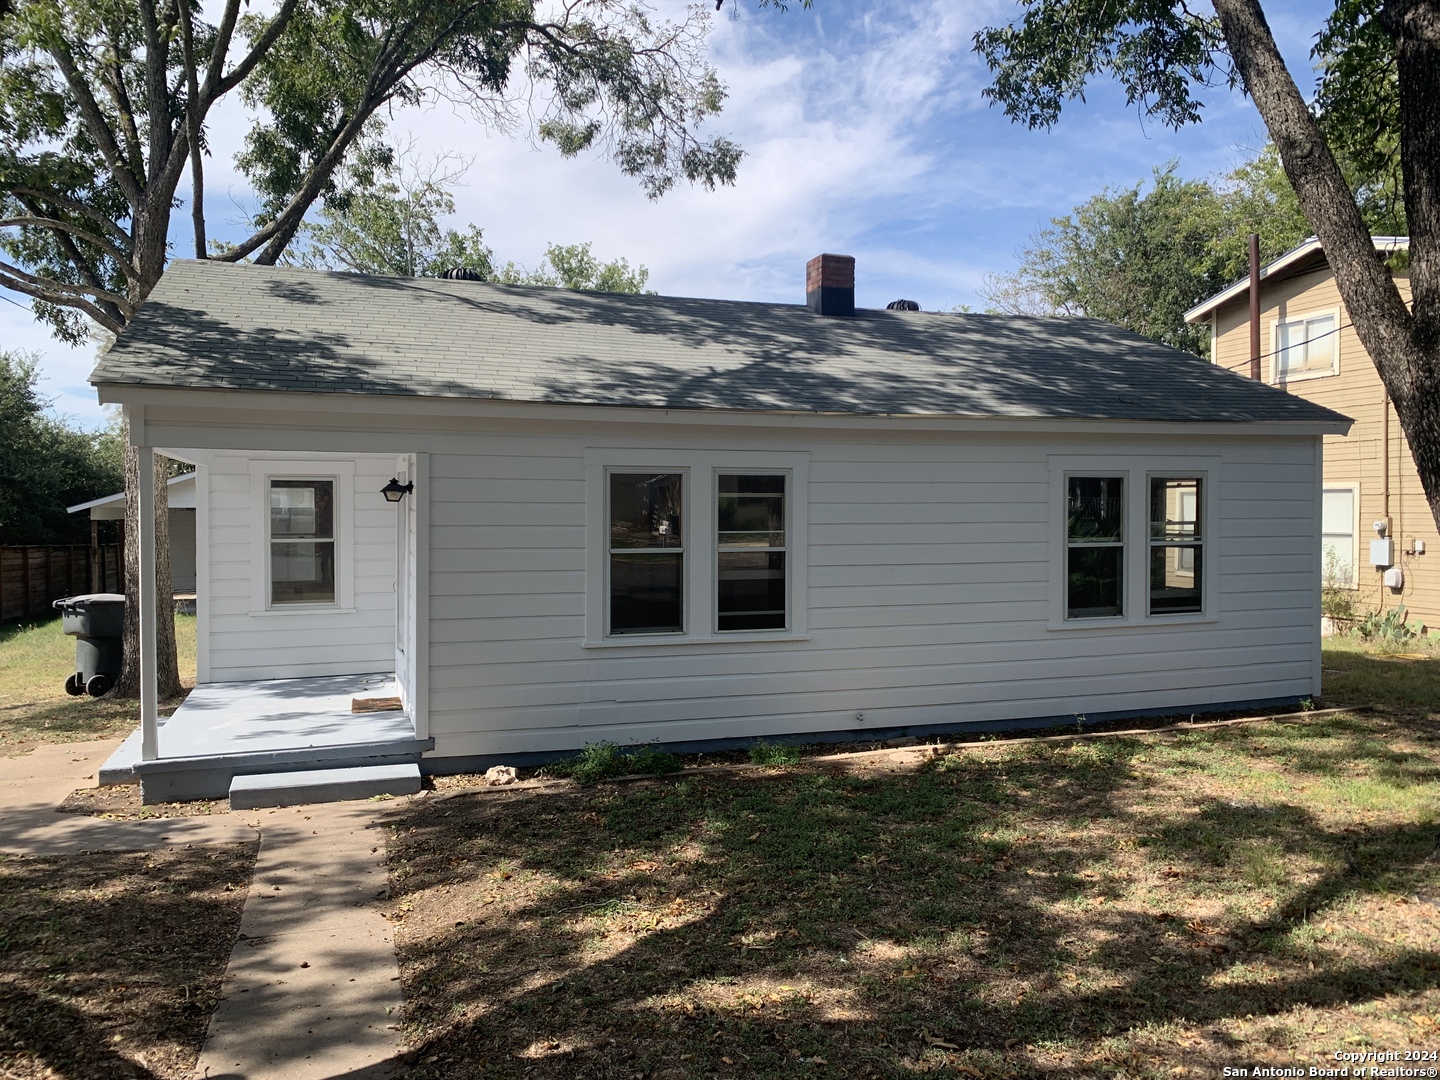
{"x":276,"y":726}
{"x":306,"y":581}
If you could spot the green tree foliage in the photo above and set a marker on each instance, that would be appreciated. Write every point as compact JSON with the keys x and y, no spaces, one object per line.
{"x":572,"y":266}
{"x":45,"y":465}
{"x":1363,"y":147}
{"x":1142,"y":258}
{"x":392,"y":225}
{"x":104,"y":105}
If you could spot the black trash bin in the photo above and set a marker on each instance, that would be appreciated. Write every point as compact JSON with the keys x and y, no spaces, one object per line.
{"x":97,"y":622}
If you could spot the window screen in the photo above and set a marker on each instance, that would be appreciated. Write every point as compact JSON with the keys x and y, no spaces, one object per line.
{"x":750,"y":560}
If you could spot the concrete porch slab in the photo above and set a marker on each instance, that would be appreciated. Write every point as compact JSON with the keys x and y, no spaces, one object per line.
{"x":322,"y":785}
{"x":224,"y":730}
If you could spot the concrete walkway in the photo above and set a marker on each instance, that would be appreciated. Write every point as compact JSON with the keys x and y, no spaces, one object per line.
{"x":312,"y":989}
{"x":34,"y":784}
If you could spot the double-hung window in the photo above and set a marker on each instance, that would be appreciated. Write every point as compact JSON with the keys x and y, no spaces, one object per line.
{"x":1095,"y":547}
{"x":302,"y":541}
{"x":1306,"y":347}
{"x":1131,"y":538}
{"x":751,"y":584}
{"x":1177,"y":545}
{"x":690,"y":545}
{"x":647,"y":553}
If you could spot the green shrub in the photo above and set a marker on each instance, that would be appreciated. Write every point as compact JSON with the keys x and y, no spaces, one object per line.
{"x":768,"y":753}
{"x":1390,"y":628}
{"x":1337,"y":597}
{"x":605,"y":760}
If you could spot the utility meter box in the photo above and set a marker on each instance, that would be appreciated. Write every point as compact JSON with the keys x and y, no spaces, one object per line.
{"x":1382,"y":553}
{"x":1395,"y":578}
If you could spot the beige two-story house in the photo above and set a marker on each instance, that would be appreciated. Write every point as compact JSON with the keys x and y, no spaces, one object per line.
{"x":1309,"y":348}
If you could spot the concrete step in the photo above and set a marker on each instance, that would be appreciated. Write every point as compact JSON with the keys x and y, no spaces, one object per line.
{"x":322,"y":785}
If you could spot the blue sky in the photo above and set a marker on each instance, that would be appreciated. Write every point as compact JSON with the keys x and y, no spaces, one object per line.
{"x":865,"y":134}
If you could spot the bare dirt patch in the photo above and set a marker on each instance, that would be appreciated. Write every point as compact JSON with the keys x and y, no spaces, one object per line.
{"x":110,"y":964}
{"x":121,"y":802}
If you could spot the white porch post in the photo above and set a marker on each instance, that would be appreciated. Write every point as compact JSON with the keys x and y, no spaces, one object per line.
{"x":149,"y":679}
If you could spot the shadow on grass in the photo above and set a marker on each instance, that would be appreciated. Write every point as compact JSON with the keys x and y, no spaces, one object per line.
{"x":67,"y":720}
{"x":9,"y":631}
{"x":1359,"y":675}
{"x":982,"y":913}
{"x":110,"y":964}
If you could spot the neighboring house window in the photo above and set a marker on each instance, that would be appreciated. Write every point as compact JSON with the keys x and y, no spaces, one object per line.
{"x":1307,"y":347}
{"x":1095,"y":547}
{"x":750,"y":556}
{"x":1337,"y":536}
{"x":647,"y":553}
{"x":1176,"y":545}
{"x":302,"y":541}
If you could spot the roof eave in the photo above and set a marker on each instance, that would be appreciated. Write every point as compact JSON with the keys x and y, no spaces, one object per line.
{"x":1201,"y":311}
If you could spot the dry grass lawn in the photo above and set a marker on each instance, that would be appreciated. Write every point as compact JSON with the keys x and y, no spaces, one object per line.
{"x":35,"y":658}
{"x":1152,"y":906}
{"x":110,"y":964}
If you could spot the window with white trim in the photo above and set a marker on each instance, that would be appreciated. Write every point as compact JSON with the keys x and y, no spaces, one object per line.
{"x":647,"y":553}
{"x":1337,"y":536}
{"x":301,"y":527}
{"x":750,"y":575}
{"x":1177,"y":546}
{"x":1307,"y":346}
{"x":695,"y":545}
{"x":1095,"y":547}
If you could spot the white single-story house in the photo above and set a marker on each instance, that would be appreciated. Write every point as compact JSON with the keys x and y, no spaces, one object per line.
{"x":180,"y":491}
{"x":698,"y":522}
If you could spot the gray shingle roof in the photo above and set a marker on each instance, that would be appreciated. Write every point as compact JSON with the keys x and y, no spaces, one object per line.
{"x":214,"y":325}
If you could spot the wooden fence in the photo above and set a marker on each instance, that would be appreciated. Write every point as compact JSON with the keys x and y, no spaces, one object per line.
{"x":32,"y":578}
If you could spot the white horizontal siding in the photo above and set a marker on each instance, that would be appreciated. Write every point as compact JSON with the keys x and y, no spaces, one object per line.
{"x":929,"y":592}
{"x":246,"y":644}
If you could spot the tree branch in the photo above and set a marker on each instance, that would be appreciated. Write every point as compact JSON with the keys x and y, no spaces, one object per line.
{"x":55,"y":224}
{"x":1375,"y":305}
{"x":76,"y":207}
{"x":157,"y":104}
{"x":192,"y":131}
{"x":99,"y":130}
{"x":224,"y":32}
{"x":1415,"y":28}
{"x":12,"y":277}
{"x":257,"y":51}
{"x":123,"y":106}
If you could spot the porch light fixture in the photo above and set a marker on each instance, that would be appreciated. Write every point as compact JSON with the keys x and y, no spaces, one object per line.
{"x":394,"y":491}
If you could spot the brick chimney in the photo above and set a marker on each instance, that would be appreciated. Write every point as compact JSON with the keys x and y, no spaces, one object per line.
{"x":830,"y":285}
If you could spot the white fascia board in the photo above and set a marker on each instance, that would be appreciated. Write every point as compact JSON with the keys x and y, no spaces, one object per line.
{"x":1201,"y":311}
{"x":370,"y":418}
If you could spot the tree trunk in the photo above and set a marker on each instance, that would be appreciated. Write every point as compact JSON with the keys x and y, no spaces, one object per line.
{"x":167,"y":664}
{"x":1404,"y":344}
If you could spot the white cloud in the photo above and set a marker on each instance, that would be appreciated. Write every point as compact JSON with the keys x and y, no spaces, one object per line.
{"x":865,"y":131}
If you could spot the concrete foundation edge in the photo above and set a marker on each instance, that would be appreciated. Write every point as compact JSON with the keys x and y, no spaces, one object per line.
{"x":438,"y":765}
